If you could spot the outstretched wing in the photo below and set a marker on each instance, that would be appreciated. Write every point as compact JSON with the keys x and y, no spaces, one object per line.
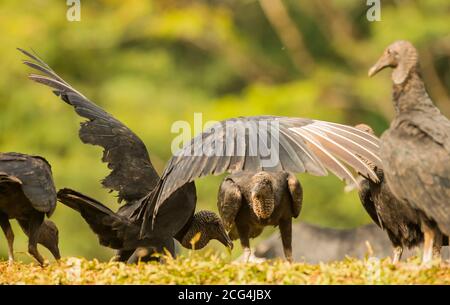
{"x":296,"y":192}
{"x":229,"y":202}
{"x":34,"y":176}
{"x":132,"y":175}
{"x":272,"y":144}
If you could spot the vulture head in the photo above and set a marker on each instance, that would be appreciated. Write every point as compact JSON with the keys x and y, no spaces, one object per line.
{"x":49,"y":237}
{"x":262,"y":195}
{"x":401,"y":56}
{"x":205,"y":226}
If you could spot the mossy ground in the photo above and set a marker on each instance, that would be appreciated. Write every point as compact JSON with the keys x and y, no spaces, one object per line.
{"x":217,"y":269}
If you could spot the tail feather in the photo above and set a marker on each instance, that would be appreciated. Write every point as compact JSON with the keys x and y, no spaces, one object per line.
{"x":79,"y":202}
{"x":112,"y":229}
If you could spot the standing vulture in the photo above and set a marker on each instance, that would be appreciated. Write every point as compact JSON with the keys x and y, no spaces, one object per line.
{"x":249,"y":201}
{"x":27,"y":193}
{"x":133,"y":177}
{"x":415,"y":150}
{"x":400,"y":221}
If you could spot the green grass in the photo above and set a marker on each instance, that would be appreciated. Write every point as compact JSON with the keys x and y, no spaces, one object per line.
{"x":218,"y":269}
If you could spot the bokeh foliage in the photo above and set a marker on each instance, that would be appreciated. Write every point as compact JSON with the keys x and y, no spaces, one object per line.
{"x":151,"y":63}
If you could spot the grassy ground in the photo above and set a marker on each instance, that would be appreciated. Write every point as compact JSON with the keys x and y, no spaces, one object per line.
{"x":214,"y":269}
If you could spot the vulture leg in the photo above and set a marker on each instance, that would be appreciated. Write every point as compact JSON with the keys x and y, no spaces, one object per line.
{"x":9,"y":234}
{"x":243,"y":231}
{"x":122,"y":255}
{"x":286,"y":237}
{"x":398,"y":251}
{"x":437,"y":244}
{"x":428,"y":235}
{"x":34,"y":225}
{"x":138,"y":254}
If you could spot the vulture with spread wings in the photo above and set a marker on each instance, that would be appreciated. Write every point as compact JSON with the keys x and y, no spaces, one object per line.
{"x":266,"y":143}
{"x":133,"y":177}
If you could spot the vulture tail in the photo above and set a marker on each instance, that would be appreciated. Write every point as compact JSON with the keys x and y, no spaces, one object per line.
{"x":82,"y":203}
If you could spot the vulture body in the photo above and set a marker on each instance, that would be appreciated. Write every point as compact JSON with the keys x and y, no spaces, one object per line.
{"x":399,"y":221}
{"x":249,"y":201}
{"x":415,"y":150}
{"x":27,"y":194}
{"x":133,"y":177}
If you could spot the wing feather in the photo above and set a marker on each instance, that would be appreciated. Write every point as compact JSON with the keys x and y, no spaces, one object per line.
{"x":132,"y":173}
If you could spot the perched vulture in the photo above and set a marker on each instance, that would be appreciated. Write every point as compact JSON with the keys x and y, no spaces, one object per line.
{"x":27,"y":194}
{"x":415,"y":150}
{"x":249,"y":201}
{"x":133,"y":177}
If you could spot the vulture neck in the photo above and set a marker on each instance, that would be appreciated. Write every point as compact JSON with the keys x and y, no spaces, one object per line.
{"x":411,"y":95}
{"x":189,"y":231}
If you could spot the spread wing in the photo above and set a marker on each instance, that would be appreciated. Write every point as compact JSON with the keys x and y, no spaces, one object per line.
{"x":296,"y":192}
{"x":34,"y":175}
{"x":132,"y":173}
{"x":272,"y":144}
{"x":297,"y":145}
{"x":229,"y":202}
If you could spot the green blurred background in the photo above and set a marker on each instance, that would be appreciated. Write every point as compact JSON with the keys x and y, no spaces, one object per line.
{"x":150,"y":63}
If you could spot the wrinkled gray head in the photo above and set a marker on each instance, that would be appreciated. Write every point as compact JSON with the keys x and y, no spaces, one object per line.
{"x":49,"y":237}
{"x":205,"y":225}
{"x":262,"y":195}
{"x":401,"y":56}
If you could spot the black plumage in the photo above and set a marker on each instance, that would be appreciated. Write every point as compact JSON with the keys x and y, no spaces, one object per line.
{"x":133,"y":177}
{"x":415,"y":150}
{"x":249,"y":201}
{"x":399,"y":221}
{"x":27,"y":194}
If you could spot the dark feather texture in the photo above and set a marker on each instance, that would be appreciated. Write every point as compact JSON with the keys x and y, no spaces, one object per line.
{"x":27,"y":193}
{"x":132,"y":175}
{"x":249,"y":201}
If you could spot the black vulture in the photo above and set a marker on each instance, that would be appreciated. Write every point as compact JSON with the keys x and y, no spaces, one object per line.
{"x":415,"y":150}
{"x":400,"y":221}
{"x":133,"y":177}
{"x":249,"y":201}
{"x":27,"y":194}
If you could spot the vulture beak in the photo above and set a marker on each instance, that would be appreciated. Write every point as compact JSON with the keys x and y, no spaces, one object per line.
{"x":56,"y":253}
{"x":226,"y":240}
{"x":385,"y":61}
